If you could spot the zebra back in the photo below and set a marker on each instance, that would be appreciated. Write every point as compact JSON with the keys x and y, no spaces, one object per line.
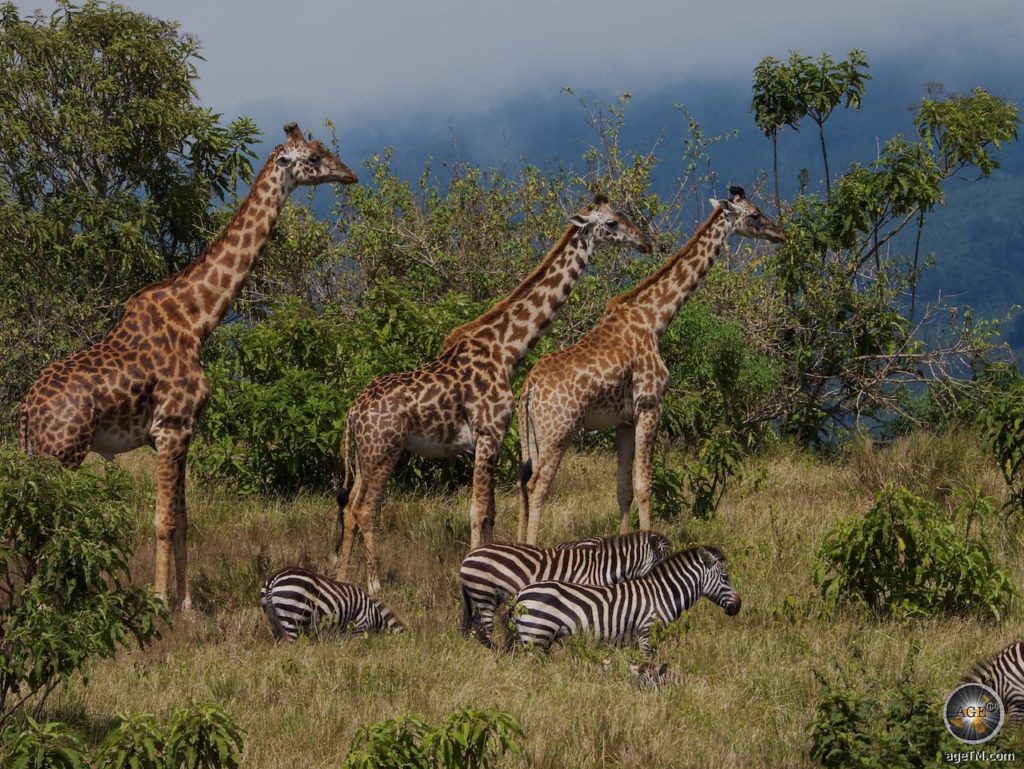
{"x":1004,"y":673}
{"x":546,"y":610}
{"x":299,"y":601}
{"x":493,"y":573}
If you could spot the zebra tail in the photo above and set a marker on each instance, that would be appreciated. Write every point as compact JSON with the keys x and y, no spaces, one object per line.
{"x":467,"y":611}
{"x":511,"y":636}
{"x":276,"y":628}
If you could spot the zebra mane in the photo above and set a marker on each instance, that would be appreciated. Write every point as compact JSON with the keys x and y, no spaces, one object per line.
{"x":715,"y":551}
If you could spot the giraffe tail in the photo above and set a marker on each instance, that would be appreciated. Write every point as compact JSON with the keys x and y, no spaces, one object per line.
{"x":343,"y":490}
{"x":23,"y":444}
{"x":342,"y":497}
{"x":526,"y":468}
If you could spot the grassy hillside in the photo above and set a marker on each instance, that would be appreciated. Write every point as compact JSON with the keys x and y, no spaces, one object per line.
{"x":744,"y":689}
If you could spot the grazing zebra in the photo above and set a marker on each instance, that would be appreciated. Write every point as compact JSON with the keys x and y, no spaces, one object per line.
{"x":299,"y":601}
{"x":492,"y":574}
{"x":549,"y":610}
{"x":1004,"y":673}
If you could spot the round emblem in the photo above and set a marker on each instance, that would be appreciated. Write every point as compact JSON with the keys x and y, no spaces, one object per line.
{"x":973,"y":713}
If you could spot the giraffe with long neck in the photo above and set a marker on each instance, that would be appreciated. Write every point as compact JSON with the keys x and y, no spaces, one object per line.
{"x":142,"y":383}
{"x":462,"y":401}
{"x":615,"y":376}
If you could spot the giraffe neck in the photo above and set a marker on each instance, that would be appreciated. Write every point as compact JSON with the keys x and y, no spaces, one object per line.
{"x":516,"y":323}
{"x":661,"y":295}
{"x":205,"y":290}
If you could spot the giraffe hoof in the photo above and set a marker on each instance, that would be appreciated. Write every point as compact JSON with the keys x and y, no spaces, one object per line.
{"x":373,"y":586}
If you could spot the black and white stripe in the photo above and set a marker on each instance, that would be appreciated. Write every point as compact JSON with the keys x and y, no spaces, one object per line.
{"x":1004,"y":673}
{"x":492,"y":574}
{"x":298,"y":601}
{"x":546,"y":611}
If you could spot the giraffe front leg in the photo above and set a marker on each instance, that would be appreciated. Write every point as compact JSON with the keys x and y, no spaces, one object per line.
{"x":543,"y":477}
{"x":625,"y":445}
{"x":481,"y":510}
{"x":170,"y":521}
{"x":643,"y":463}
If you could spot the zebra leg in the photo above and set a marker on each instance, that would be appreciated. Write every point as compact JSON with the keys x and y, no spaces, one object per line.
{"x":644,"y":637}
{"x":643,"y":464}
{"x":625,"y":444}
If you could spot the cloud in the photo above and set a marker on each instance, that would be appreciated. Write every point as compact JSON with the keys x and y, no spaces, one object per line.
{"x":401,"y":56}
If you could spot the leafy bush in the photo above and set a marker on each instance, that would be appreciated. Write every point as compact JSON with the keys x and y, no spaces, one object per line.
{"x":197,"y":737}
{"x":904,"y":558}
{"x":467,"y":739}
{"x":897,"y":729}
{"x":1002,"y":421}
{"x":281,"y":388}
{"x":66,"y":597}
{"x":52,"y":745}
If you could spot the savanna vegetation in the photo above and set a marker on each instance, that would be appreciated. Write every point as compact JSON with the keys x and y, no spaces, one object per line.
{"x":856,"y":451}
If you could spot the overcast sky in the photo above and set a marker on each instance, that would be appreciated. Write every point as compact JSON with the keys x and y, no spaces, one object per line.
{"x":388,"y":57}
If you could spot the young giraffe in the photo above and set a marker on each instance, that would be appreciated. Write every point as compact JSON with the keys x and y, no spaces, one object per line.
{"x":462,"y":401}
{"x":615,"y":377}
{"x":142,"y":382}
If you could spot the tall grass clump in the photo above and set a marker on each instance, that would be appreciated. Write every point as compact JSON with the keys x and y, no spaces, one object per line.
{"x":906,"y":558}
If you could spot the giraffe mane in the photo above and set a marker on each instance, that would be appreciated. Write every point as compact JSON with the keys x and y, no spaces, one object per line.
{"x":667,"y":266}
{"x":189,"y":268}
{"x":529,"y":282}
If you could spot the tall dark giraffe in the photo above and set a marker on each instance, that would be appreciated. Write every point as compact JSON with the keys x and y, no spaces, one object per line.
{"x":615,"y":377}
{"x":462,"y":401}
{"x":142,"y":384}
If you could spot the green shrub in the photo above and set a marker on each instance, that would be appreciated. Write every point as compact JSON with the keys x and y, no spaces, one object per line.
{"x":904,"y":558}
{"x":197,"y":737}
{"x":281,"y":388}
{"x":1002,"y":422}
{"x":66,"y":597}
{"x":50,"y":745}
{"x":898,"y":729}
{"x":467,"y":739}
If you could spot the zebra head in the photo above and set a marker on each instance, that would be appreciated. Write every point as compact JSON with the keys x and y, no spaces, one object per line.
{"x":715,"y":584}
{"x":660,"y":547}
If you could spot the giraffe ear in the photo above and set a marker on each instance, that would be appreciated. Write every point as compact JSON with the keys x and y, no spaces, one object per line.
{"x":726,"y":205}
{"x":579,"y":220}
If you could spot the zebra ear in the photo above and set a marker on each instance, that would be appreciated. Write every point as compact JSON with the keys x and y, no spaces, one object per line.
{"x":634,"y":668}
{"x":663,"y":669}
{"x":707,"y":556}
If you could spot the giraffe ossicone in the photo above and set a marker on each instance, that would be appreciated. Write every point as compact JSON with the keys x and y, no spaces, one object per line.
{"x":142,"y":383}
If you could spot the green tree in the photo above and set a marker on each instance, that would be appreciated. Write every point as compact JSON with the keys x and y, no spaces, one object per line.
{"x":836,"y":304}
{"x":107,"y":171}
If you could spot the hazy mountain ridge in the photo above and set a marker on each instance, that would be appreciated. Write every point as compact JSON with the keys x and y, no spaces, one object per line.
{"x":977,"y":237}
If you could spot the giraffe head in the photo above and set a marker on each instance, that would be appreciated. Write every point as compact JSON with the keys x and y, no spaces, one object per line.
{"x":606,"y":225}
{"x":309,"y":163}
{"x":744,"y":218}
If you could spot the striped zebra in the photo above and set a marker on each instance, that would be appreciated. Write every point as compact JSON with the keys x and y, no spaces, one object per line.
{"x":549,"y":610}
{"x":1004,"y":674}
{"x":298,"y":601}
{"x":492,"y":574}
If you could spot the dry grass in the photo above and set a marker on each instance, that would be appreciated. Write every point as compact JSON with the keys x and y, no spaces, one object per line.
{"x":743,"y":689}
